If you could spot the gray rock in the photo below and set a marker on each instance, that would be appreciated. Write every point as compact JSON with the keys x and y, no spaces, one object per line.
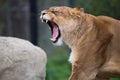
{"x":21,"y":60}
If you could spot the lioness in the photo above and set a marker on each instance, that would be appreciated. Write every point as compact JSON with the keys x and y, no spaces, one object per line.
{"x":94,"y":41}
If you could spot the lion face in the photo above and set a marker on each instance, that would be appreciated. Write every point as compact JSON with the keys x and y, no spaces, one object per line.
{"x":61,"y":20}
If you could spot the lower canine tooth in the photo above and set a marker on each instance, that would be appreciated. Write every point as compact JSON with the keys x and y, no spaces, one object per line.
{"x":49,"y":27}
{"x":42,"y":20}
{"x":52,"y":39}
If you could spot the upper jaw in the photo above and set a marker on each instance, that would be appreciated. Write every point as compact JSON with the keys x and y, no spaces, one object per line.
{"x":44,"y":17}
{"x":44,"y":20}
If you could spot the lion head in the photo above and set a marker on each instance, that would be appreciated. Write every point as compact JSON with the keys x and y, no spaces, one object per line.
{"x":64,"y":22}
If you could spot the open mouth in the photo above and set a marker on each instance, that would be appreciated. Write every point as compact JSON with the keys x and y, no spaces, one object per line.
{"x":55,"y":31}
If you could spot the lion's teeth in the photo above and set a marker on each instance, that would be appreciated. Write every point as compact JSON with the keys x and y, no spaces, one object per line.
{"x":49,"y":27}
{"x":52,"y":39}
{"x":42,"y":20}
{"x":46,"y":21}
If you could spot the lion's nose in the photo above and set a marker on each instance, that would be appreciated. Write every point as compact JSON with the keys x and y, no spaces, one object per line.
{"x":43,"y":13}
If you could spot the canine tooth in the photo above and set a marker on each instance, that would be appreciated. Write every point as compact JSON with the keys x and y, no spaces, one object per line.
{"x":52,"y":39}
{"x":46,"y":21}
{"x":42,"y":20}
{"x":49,"y":27}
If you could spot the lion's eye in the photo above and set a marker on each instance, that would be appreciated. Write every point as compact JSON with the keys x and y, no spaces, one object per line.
{"x":56,"y":12}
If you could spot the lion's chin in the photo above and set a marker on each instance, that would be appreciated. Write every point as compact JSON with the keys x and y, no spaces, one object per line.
{"x":59,"y":42}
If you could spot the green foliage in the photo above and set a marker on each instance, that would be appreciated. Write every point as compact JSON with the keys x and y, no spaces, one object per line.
{"x":100,"y":7}
{"x":115,"y":79}
{"x":58,"y":67}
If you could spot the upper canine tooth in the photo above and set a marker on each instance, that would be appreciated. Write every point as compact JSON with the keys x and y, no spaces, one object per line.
{"x":46,"y":21}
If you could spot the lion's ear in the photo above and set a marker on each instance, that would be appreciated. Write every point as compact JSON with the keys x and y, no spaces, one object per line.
{"x":80,"y":9}
{"x":77,"y":11}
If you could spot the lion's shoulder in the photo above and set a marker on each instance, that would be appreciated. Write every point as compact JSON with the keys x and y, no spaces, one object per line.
{"x":107,"y":20}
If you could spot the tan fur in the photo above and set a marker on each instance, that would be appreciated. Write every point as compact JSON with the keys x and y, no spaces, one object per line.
{"x":94,"y":41}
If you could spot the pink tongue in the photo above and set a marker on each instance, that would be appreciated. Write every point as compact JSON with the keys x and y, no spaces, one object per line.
{"x":55,"y":33}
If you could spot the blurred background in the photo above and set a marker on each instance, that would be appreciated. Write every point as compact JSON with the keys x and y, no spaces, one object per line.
{"x":20,"y":18}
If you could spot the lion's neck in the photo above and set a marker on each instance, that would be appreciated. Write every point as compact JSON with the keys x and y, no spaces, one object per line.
{"x":74,"y":38}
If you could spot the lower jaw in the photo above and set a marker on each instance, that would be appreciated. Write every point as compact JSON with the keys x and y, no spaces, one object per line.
{"x":59,"y":42}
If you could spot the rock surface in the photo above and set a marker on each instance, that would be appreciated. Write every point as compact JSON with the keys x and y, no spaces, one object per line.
{"x":21,"y":60}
